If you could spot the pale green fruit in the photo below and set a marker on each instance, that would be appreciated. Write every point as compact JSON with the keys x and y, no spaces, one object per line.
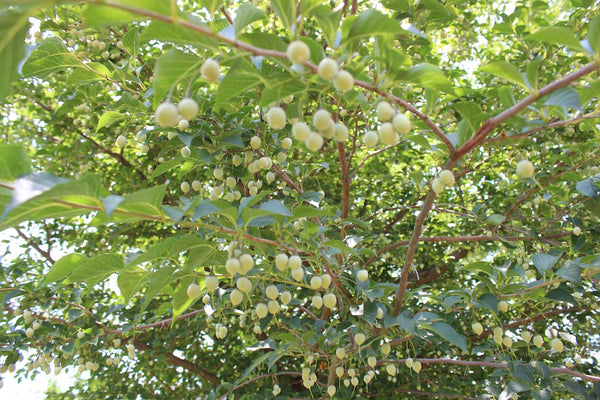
{"x":166,"y":114}
{"x":362,"y":275}
{"x":386,"y":348}
{"x":236,"y":160}
{"x":447,"y":178}
{"x":186,"y":152}
{"x":372,"y":361}
{"x":409,"y":362}
{"x":81,"y":334}
{"x":183,"y":124}
{"x":298,"y":52}
{"x":246,"y":262}
{"x":577,"y":231}
{"x":371,"y":139}
{"x":391,"y":369}
{"x":343,"y":81}
{"x":340,"y":353}
{"x":329,"y":132}
{"x":401,"y":124}
{"x":29,"y":332}
{"x":317,"y":301}
{"x":287,"y":142}
{"x":254,"y":143}
{"x":261,"y":310}
{"x":273,"y":307}
{"x":341,"y":132}
{"x":144,"y":148}
{"x":477,"y":328}
{"x":526,"y":335}
{"x":339,"y":371}
{"x":325,"y":281}
{"x":276,"y":118}
{"x":331,"y":390}
{"x":315,"y":282}
{"x":557,"y":345}
{"x":272,"y":292}
{"x":388,"y":135}
{"x":218,"y":173}
{"x":236,"y":297}
{"x":185,"y":187}
{"x":300,"y":131}
{"x":354,"y":381}
{"x":270,"y":177}
{"x":281,"y":261}
{"x":232,"y":266}
{"x":294,"y":262}
{"x":193,"y":291}
{"x":298,"y":274}
{"x":321,"y":119}
{"x":507,"y":342}
{"x":230,"y":182}
{"x":121,"y":141}
{"x":525,"y":169}
{"x":188,"y":108}
{"x":360,"y":338}
{"x":328,"y":68}
{"x":417,"y":366}
{"x":385,"y":112}
{"x":211,"y":283}
{"x":211,"y":71}
{"x":502,"y":306}
{"x":314,"y":142}
{"x":286,"y":297}
{"x":437,"y":186}
{"x":244,"y":284}
{"x":538,"y":340}
{"x":265,"y":163}
{"x":329,"y":300}
{"x":351,"y":372}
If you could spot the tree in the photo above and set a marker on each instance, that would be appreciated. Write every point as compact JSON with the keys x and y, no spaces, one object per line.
{"x":300,"y":200}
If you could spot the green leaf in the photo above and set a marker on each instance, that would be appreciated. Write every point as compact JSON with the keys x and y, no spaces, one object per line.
{"x":245,"y":15}
{"x":241,"y":77}
{"x":280,"y":86}
{"x":489,"y":301}
{"x":565,"y":98}
{"x":181,"y":301}
{"x":588,"y":188}
{"x":593,"y":36}
{"x":14,"y":162}
{"x":50,"y":56}
{"x":286,"y":11}
{"x":211,"y":5}
{"x":428,"y":76}
{"x":89,"y":72}
{"x":544,"y":262}
{"x":62,"y":268}
{"x":494,"y":219}
{"x":143,"y":203}
{"x":108,"y":118}
{"x":471,"y":112}
{"x":130,"y":282}
{"x":570,"y":271}
{"x":556,"y":35}
{"x":173,"y":67}
{"x":13,"y":26}
{"x":371,"y":23}
{"x":328,"y":21}
{"x":156,"y":283}
{"x":177,"y":34}
{"x":507,"y":71}
{"x":448,"y":333}
{"x":561,"y":294}
{"x":275,"y":207}
{"x":99,"y":15}
{"x":96,"y":269}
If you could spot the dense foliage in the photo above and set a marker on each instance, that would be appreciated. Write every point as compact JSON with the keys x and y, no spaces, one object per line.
{"x":430,"y":230}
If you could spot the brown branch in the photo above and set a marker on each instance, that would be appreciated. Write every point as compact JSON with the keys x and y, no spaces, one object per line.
{"x":345,"y":184}
{"x":43,"y":253}
{"x":227,"y":16}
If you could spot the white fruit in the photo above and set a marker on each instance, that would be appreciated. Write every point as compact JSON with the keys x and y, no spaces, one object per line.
{"x":314,"y":142}
{"x":339,"y":371}
{"x":81,"y":334}
{"x":315,"y":282}
{"x":29,"y":332}
{"x":447,"y":178}
{"x":340,"y":353}
{"x":121,"y":141}
{"x":502,"y":306}
{"x":183,"y":125}
{"x":386,"y":348}
{"x":236,"y":160}
{"x":298,"y":274}
{"x":538,"y":340}
{"x":186,"y":152}
{"x":416,"y":366}
{"x":354,"y":381}
{"x":329,"y":300}
{"x":328,"y":68}
{"x":273,"y":307}
{"x":210,"y":70}
{"x":577,"y":231}
{"x":329,"y":132}
{"x":360,"y":338}
{"x":230,"y":182}
{"x":341,"y":132}
{"x":211,"y":283}
{"x":557,"y":345}
{"x":331,"y":390}
{"x":193,"y":290}
{"x":188,"y":108}
{"x":388,"y":135}
{"x":281,"y":261}
{"x":317,"y":301}
{"x":325,"y":281}
{"x":276,"y":118}
{"x":409,"y":362}
{"x":298,"y":52}
{"x":372,"y":361}
{"x":526,"y":335}
{"x":321,"y":119}
{"x":265,"y":163}
{"x":218,"y":173}
{"x":244,"y":284}
{"x":525,"y":169}
{"x":343,"y":81}
{"x":185,"y":187}
{"x":255,"y":142}
{"x":272,"y":292}
{"x":401,"y":124}
{"x":236,"y":297}
{"x":371,"y":139}
{"x":391,"y":369}
{"x":437,"y":186}
{"x":477,"y":328}
{"x":507,"y":342}
{"x":286,"y":297}
{"x":166,"y":114}
{"x":287,"y":142}
{"x":300,"y":131}
{"x":261,"y":310}
{"x":246,"y":263}
{"x":294,"y":262}
{"x":232,"y":266}
{"x":362,"y":275}
{"x":385,"y":112}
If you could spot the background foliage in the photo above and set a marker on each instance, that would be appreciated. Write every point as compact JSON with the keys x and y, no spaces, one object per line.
{"x":113,"y":241}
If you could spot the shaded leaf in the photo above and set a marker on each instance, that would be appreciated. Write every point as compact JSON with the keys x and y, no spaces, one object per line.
{"x":14,"y":162}
{"x":13,"y":26}
{"x":556,"y":35}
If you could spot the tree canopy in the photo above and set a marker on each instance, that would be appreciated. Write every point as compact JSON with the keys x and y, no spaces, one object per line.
{"x":301,"y":199}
